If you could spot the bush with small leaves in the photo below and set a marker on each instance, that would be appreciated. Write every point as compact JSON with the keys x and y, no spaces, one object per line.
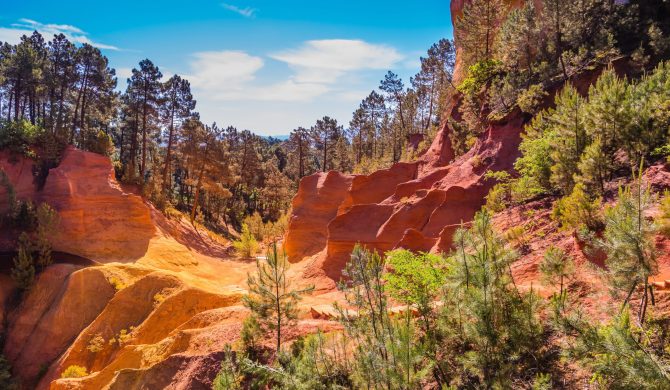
{"x":74,"y":371}
{"x":578,"y":209}
{"x":247,"y":245}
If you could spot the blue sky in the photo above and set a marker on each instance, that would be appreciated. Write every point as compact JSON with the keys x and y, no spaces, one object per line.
{"x":268,"y":66}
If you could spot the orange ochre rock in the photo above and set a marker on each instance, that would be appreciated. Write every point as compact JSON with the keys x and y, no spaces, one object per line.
{"x":98,"y":219}
{"x":414,"y":205}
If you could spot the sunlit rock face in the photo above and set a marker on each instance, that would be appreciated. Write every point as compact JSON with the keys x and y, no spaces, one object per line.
{"x":98,"y":219}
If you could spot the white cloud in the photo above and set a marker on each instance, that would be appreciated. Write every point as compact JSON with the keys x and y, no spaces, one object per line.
{"x":324,"y":61}
{"x":223,"y":75}
{"x":325,"y":77}
{"x":27,"y":26}
{"x":123,"y":74}
{"x":231,"y":75}
{"x":247,"y":12}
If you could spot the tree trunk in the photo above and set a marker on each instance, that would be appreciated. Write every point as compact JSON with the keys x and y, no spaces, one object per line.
{"x":169,"y":147}
{"x":144,"y":134}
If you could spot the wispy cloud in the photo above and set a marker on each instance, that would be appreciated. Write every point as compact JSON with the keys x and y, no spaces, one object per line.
{"x":25,"y":26}
{"x":247,"y":12}
{"x":324,"y":61}
{"x":318,"y":67}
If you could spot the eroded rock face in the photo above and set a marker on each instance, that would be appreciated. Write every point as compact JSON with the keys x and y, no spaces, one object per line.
{"x":98,"y":219}
{"x":315,"y":204}
{"x":416,"y":205}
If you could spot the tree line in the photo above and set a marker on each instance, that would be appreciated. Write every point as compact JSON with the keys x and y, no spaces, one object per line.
{"x":55,"y":93}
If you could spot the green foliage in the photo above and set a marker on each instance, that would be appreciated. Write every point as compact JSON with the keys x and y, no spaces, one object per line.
{"x":629,"y":241}
{"x":664,"y":218}
{"x":536,"y":146}
{"x":386,"y":353}
{"x":542,"y":382}
{"x":618,"y":360}
{"x":101,"y":143}
{"x":269,"y":231}
{"x":249,"y":336}
{"x":518,"y":237}
{"x":594,"y":168}
{"x":228,"y":377}
{"x":6,"y":381}
{"x":498,"y":198}
{"x":586,"y":140}
{"x":479,"y":74}
{"x":557,"y":268}
{"x":23,"y":271}
{"x":414,"y":279}
{"x":246,"y":246}
{"x":47,"y":222}
{"x":530,"y":99}
{"x":11,"y":196}
{"x":271,"y":300}
{"x":476,"y":28}
{"x":317,"y":362}
{"x":609,"y":112}
{"x":578,"y":210}
{"x":18,"y":136}
{"x":25,"y":216}
{"x":74,"y":371}
{"x":495,"y":324}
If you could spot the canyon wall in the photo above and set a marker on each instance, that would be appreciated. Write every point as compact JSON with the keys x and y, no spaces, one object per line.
{"x":98,"y":218}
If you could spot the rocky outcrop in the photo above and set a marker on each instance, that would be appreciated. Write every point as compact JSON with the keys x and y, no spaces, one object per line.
{"x":412,"y":205}
{"x":98,"y":219}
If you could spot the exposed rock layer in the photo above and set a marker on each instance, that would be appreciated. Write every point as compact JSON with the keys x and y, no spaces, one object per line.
{"x":98,"y":219}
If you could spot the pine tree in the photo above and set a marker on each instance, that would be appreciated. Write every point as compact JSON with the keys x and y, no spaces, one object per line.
{"x":95,"y":97}
{"x":396,"y":97}
{"x":271,"y":300}
{"x":60,"y":78}
{"x":47,"y":222}
{"x":325,"y":135}
{"x":145,"y":83}
{"x":476,"y":29}
{"x":519,"y":41}
{"x":556,"y":268}
{"x":556,"y":14}
{"x":494,"y":319}
{"x":178,"y":105}
{"x":594,"y":168}
{"x":608,"y":113}
{"x":299,"y":153}
{"x":629,"y":241}
{"x":567,"y":120}
{"x":375,"y":109}
{"x":23,"y":272}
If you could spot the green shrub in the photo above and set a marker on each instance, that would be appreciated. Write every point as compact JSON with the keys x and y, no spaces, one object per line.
{"x":530,"y":100}
{"x":478,"y":75}
{"x":578,"y":209}
{"x":229,"y":377}
{"x":616,"y":357}
{"x":247,"y":245}
{"x":74,"y":371}
{"x":256,"y":226}
{"x":18,"y":136}
{"x":47,"y":222}
{"x":101,"y":143}
{"x":25,"y":216}
{"x":23,"y":271}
